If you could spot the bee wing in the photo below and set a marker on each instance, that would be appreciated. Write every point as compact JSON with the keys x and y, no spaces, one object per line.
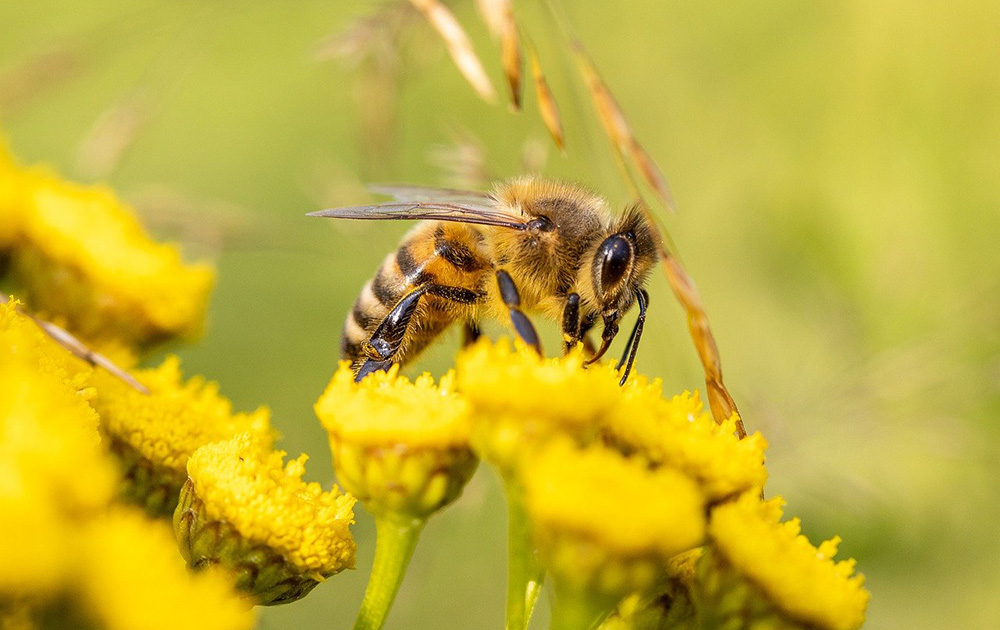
{"x":421,"y":194}
{"x":481,"y":213}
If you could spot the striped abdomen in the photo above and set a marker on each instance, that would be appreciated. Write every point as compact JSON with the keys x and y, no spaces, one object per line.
{"x":443,"y":254}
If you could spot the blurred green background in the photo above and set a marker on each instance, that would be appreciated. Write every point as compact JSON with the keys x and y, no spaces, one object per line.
{"x":836,"y":166}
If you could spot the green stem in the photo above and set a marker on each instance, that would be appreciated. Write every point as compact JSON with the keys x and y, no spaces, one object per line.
{"x":576,"y":610}
{"x":524,"y":573}
{"x":394,"y":544}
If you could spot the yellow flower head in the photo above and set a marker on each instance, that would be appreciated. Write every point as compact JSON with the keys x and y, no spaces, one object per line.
{"x":131,"y":578}
{"x":498,"y":377}
{"x":797,"y":578}
{"x":84,"y":257}
{"x":520,"y":399}
{"x":154,"y":435}
{"x":53,"y":471}
{"x":608,"y":522}
{"x":243,"y":483}
{"x":387,"y":409}
{"x":401,"y":447}
{"x":678,"y":432}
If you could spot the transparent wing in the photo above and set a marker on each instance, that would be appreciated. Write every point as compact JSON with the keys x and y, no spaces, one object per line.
{"x":420,"y":194}
{"x":480,"y":214}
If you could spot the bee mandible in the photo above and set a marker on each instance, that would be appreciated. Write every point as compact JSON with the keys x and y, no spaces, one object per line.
{"x":530,"y":246}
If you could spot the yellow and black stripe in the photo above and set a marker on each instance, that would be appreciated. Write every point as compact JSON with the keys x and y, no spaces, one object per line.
{"x":435,"y":254}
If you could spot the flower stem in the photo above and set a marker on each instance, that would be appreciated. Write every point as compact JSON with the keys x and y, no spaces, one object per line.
{"x":524,"y":572}
{"x":394,"y":544}
{"x":577,"y":610}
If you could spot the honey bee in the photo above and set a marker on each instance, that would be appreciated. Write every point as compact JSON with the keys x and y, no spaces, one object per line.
{"x":530,"y":246}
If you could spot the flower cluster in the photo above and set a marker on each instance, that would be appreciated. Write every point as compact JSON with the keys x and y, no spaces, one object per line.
{"x":153,"y":435}
{"x":82,"y":447}
{"x":71,"y":556}
{"x":624,"y":498}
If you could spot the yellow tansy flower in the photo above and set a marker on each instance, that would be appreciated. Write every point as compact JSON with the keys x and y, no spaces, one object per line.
{"x":131,"y":577}
{"x":53,"y":472}
{"x":614,"y":505}
{"x":400,"y":447}
{"x":47,"y":429}
{"x":154,"y":435}
{"x":791,"y":582}
{"x":84,"y":257}
{"x":678,"y":432}
{"x":520,"y":398}
{"x":605,"y":526}
{"x":245,"y":509}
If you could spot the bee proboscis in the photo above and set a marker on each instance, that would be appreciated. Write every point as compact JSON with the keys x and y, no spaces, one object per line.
{"x":530,"y":246}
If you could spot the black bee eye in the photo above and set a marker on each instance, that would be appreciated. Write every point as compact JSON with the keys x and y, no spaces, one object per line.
{"x":540,"y":224}
{"x":614,"y":257}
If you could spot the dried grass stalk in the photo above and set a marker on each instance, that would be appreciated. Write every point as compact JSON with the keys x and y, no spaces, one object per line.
{"x":25,"y":81}
{"x":624,"y":142}
{"x":719,"y":400}
{"x":111,"y":135}
{"x":617,"y":127}
{"x":494,"y":14}
{"x":79,"y":349}
{"x":546,"y":101}
{"x":458,"y":44}
{"x":510,"y":56}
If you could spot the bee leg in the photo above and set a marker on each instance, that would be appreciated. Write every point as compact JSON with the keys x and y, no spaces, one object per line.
{"x":512,"y":300}
{"x":585,"y":327}
{"x":571,"y":321}
{"x":384,"y":343}
{"x":386,"y":339}
{"x":633,"y":339}
{"x":471,"y":333}
{"x":371,"y":365}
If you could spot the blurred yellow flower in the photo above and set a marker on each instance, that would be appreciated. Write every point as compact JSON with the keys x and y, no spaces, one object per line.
{"x":613,"y":506}
{"x":53,"y":471}
{"x":131,"y":577}
{"x":678,"y":432}
{"x":154,"y":435}
{"x":81,"y":255}
{"x":243,"y":483}
{"x":797,"y":578}
{"x":605,"y":526}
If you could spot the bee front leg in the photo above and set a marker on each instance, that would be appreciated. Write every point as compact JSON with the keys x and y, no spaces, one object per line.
{"x":512,"y":300}
{"x":633,"y":340}
{"x":571,"y":321}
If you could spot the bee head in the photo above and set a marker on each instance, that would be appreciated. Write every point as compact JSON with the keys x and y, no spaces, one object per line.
{"x":622,"y":261}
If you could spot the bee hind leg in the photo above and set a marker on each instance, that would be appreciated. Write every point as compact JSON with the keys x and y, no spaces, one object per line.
{"x":512,"y":300}
{"x":384,"y":343}
{"x":371,"y":365}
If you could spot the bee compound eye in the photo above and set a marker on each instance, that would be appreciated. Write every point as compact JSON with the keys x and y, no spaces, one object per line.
{"x":615,"y":258}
